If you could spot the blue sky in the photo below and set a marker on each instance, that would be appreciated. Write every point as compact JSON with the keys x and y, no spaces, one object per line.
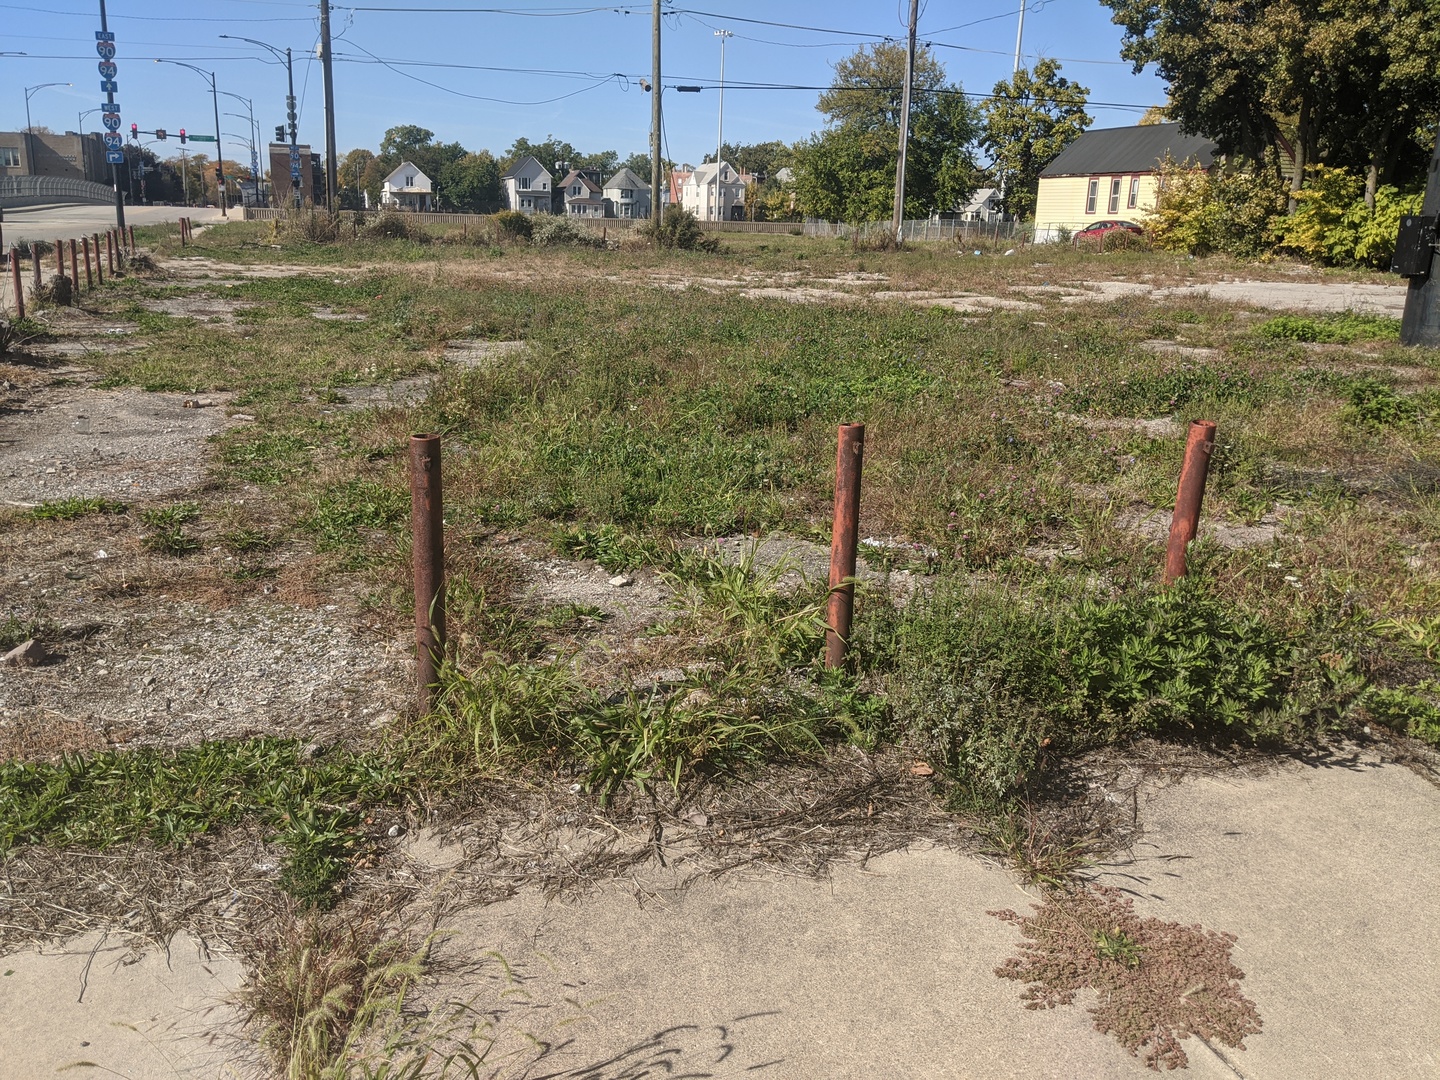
{"x":576,"y":67}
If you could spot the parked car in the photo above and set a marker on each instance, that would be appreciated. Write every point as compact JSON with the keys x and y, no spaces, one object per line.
{"x":1099,"y":230}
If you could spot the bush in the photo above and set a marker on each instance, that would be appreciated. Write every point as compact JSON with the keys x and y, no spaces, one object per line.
{"x":394,"y":225}
{"x":311,"y":226}
{"x":556,"y":231}
{"x":1332,"y":224}
{"x":1226,"y":210}
{"x":679,"y":228}
{"x":514,"y":224}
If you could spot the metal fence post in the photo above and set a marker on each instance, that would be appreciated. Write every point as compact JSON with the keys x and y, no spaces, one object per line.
{"x":428,"y":556}
{"x":849,"y":457}
{"x":19,"y":285}
{"x":1199,"y":445}
{"x":74,"y":270}
{"x":89,"y":278}
{"x":35,"y":264}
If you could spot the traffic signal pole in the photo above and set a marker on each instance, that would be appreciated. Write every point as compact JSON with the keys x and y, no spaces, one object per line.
{"x":292,"y":118}
{"x":326,"y":70}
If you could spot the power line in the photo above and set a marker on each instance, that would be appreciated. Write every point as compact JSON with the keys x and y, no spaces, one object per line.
{"x":480,"y":97}
{"x":149,"y":18}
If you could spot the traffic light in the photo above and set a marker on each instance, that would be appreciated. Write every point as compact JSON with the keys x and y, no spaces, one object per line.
{"x":182,"y":136}
{"x":219,"y":175}
{"x":160,"y":134}
{"x":279,"y":132}
{"x":135,"y":132}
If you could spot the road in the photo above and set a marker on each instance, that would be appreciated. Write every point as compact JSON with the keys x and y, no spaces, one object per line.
{"x":64,"y":221}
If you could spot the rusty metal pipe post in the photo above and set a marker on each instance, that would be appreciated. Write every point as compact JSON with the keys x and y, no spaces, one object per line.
{"x":89,"y":278}
{"x":182,"y":232}
{"x":74,"y":270}
{"x":99,"y":266}
{"x":60,"y":257}
{"x":130,"y":234}
{"x":849,"y":457}
{"x":428,"y":555}
{"x":19,"y":285}
{"x":1199,"y":446}
{"x":110,"y":250}
{"x":35,"y":264}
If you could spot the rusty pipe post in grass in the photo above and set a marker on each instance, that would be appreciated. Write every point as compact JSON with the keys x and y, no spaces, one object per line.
{"x":89,"y":278}
{"x":849,"y":456}
{"x":60,"y":257}
{"x":130,"y":233}
{"x":1199,"y":445}
{"x":110,"y":250}
{"x":99,"y":266}
{"x":428,"y":555}
{"x":74,"y":270}
{"x":15,"y":280}
{"x":182,"y":232}
{"x":35,"y":264}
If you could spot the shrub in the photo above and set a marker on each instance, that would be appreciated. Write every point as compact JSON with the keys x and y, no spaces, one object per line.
{"x":1226,"y":210}
{"x":679,"y":228}
{"x":556,"y":231}
{"x":1332,"y":224}
{"x":394,"y":225}
{"x":514,"y":224}
{"x":311,"y":226}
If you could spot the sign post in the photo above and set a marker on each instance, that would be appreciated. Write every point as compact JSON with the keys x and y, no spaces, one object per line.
{"x":110,"y":111}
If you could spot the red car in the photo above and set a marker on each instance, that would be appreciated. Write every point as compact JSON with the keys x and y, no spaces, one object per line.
{"x":1098,"y":230}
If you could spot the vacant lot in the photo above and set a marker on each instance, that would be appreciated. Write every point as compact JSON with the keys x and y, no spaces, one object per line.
{"x":205,"y":529}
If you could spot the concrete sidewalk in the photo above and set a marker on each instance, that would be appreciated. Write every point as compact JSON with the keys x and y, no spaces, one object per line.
{"x":1329,"y":876}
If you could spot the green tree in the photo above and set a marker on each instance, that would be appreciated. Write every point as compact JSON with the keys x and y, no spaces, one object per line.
{"x":1349,"y":83}
{"x":605,"y":163}
{"x":756,"y":158}
{"x":471,"y":184}
{"x":547,"y":153}
{"x":350,"y":177}
{"x":1029,"y":119}
{"x":847,"y":171}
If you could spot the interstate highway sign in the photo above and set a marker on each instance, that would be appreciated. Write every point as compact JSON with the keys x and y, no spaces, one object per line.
{"x":106,"y":49}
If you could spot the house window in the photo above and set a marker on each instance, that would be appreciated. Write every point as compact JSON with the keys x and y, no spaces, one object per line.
{"x":1115,"y":195}
{"x":575,"y":191}
{"x":1091,"y":195}
{"x":523,"y":183}
{"x":627,"y":193}
{"x":409,"y":181}
{"x":1134,"y":198}
{"x":10,"y":156}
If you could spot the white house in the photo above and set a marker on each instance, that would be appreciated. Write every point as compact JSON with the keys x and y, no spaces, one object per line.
{"x":407,"y":188}
{"x":582,"y":194}
{"x":527,"y":186}
{"x":626,"y":196}
{"x":983,"y":205}
{"x":714,"y":192}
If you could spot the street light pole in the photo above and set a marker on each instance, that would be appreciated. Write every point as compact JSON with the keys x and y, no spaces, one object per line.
{"x":291,"y":117}
{"x":250,"y":138}
{"x":219,"y":153}
{"x":720,"y":126}
{"x":30,"y":91}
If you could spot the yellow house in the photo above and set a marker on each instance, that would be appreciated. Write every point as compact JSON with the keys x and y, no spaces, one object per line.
{"x":1111,"y":174}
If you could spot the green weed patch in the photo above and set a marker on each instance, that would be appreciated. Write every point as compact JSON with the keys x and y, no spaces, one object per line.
{"x":1343,"y":328}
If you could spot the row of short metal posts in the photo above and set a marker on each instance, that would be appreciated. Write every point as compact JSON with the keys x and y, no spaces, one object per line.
{"x":116,"y":241}
{"x":428,"y":548}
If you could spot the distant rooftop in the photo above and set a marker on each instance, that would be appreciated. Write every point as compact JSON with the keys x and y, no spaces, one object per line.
{"x":1137,"y":149}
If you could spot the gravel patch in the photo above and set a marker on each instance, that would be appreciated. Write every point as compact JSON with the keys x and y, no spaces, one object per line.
{"x":77,"y":442}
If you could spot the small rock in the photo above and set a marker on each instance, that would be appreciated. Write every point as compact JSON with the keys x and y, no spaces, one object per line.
{"x":575,"y":789}
{"x":310,"y":751}
{"x":101,"y":554}
{"x":396,"y":830}
{"x":242,"y":417}
{"x":620,"y":581}
{"x":26,"y":654}
{"x":189,"y":403}
{"x":697,"y":818}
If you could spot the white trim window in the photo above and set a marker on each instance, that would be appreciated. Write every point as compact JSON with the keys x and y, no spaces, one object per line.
{"x":523,"y":183}
{"x":10,"y":157}
{"x":1115,"y":195}
{"x":1092,"y":193}
{"x":1134,"y":198}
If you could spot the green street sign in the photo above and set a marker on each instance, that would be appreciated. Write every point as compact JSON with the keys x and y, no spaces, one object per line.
{"x":202,"y":138}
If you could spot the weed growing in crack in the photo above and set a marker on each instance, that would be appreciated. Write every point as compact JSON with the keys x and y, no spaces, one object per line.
{"x":1156,"y":982}
{"x":76,"y":507}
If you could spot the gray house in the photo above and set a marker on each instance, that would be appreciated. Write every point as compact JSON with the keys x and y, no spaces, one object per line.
{"x":527,"y":186}
{"x":627,"y":196}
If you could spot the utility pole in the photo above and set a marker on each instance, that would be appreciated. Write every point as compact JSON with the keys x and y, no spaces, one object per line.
{"x":905,"y":125}
{"x":327,"y":71}
{"x":656,"y":207}
{"x":1420,"y":324}
{"x":1019,"y":35}
{"x":720,"y":124}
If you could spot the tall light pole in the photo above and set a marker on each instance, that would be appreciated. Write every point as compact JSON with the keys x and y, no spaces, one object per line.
{"x":80,"y":119}
{"x":1019,"y":35}
{"x":219,"y":154}
{"x":291,"y":116}
{"x":250,"y":138}
{"x":720,"y":124}
{"x":244,"y":140}
{"x":30,"y":92}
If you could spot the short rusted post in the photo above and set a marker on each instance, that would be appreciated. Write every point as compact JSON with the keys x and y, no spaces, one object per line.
{"x":130,"y":232}
{"x":15,"y":280}
{"x":428,"y":555}
{"x":99,"y":266}
{"x":35,"y":264}
{"x":182,"y":232}
{"x":60,"y":257}
{"x":1186,"y":521}
{"x":110,"y":250}
{"x":89,"y":280}
{"x":849,"y":456}
{"x":74,"y":269}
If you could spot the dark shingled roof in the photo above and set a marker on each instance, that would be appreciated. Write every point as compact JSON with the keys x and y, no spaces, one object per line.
{"x":1138,"y":149}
